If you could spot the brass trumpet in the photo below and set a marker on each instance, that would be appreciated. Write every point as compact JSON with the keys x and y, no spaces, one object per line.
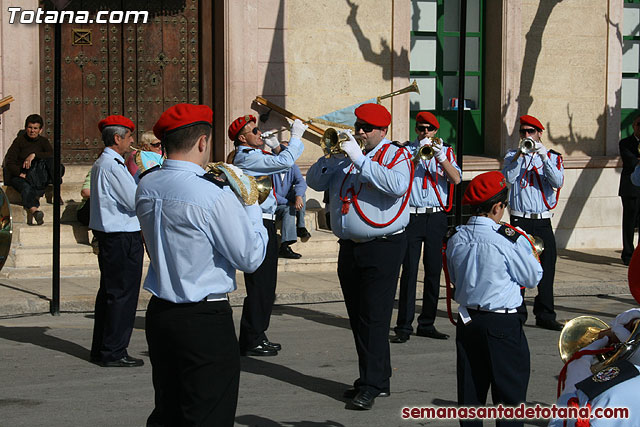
{"x":527,"y":145}
{"x":426,"y":151}
{"x":332,"y":142}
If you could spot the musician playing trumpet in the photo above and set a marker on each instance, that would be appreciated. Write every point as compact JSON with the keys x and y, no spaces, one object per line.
{"x":369,"y":194}
{"x":536,"y":178}
{"x":431,"y":198}
{"x":261,"y":285}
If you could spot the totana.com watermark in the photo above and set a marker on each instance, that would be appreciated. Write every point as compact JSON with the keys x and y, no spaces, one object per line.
{"x":18,"y":15}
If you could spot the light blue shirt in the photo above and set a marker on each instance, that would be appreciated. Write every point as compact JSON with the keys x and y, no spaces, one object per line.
{"x":113,"y":192}
{"x":423,"y":194}
{"x":621,"y":395}
{"x":379,"y":191}
{"x":196,"y":233}
{"x":487,"y":268}
{"x":525,"y":195}
{"x":254,"y":162}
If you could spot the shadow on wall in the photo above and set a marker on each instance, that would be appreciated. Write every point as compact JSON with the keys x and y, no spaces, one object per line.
{"x":569,"y":143}
{"x":386,"y":57}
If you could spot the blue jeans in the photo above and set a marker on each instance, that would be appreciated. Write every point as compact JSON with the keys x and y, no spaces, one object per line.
{"x":291,"y":219}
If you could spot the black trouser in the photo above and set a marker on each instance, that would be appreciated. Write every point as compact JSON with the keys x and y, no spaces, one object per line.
{"x":196,"y":363}
{"x":492,"y":350}
{"x":630,"y":219}
{"x":120,"y":262}
{"x":543,"y":307}
{"x":427,"y":229}
{"x":368,"y":274}
{"x":30,"y":195}
{"x":261,"y":293}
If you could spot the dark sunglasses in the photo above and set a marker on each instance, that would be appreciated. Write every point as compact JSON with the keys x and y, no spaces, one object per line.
{"x":254,"y":131}
{"x":528,"y":131}
{"x":427,"y":127}
{"x":156,"y":144}
{"x":505,"y":204}
{"x":366,"y":127}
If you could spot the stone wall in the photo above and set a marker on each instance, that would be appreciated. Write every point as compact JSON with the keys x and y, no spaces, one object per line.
{"x":19,"y":72}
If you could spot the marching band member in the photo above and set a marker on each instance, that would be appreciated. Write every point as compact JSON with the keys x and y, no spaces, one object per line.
{"x":115,"y":225}
{"x":534,"y":176}
{"x":488,"y":263}
{"x":197,"y":235}
{"x":369,"y":193}
{"x":431,"y":199}
{"x":261,"y":284}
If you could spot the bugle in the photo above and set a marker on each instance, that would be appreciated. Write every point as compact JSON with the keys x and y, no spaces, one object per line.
{"x":287,"y":114}
{"x":413,"y":87}
{"x":527,"y":145}
{"x":332,"y":142}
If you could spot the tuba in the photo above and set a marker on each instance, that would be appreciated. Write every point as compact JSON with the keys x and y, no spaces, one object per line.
{"x":249,"y":189}
{"x":527,"y":146}
{"x":583,"y":330}
{"x":332,"y":142}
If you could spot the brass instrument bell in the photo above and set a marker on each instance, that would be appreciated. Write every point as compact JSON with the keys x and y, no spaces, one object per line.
{"x":538,"y":244}
{"x":426,"y":152}
{"x":265,"y":186}
{"x":332,"y":142}
{"x":527,"y":145}
{"x":579,"y":333}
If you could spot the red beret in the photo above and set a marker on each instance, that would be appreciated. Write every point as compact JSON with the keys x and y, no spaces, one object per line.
{"x":116,"y":121}
{"x":483,"y":187}
{"x":374,"y":114}
{"x":238,"y":124}
{"x":180,"y":116}
{"x":531,"y":121}
{"x":427,"y":117}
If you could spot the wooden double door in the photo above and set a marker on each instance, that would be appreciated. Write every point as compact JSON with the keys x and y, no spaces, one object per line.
{"x":134,"y":70}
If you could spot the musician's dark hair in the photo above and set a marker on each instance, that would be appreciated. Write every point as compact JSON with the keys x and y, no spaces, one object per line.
{"x":184,"y":139}
{"x":34,"y":118}
{"x":485,"y":207}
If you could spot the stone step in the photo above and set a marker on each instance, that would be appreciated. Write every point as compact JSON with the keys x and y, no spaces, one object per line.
{"x":41,"y":256}
{"x":67,"y":192}
{"x":67,"y":213}
{"x":308,"y":263}
{"x":33,"y":236}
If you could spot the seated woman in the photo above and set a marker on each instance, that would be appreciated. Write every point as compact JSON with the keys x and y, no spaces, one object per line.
{"x":149,"y":143}
{"x":27,"y":150}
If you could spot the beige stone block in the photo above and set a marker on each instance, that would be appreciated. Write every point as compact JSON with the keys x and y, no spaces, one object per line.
{"x":580,"y":212}
{"x":325,"y":46}
{"x":271,"y":14}
{"x":271,"y":45}
{"x":592,"y":182}
{"x":600,"y":237}
{"x":272,"y":76}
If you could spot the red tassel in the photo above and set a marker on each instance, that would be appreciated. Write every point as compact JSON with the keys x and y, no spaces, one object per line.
{"x":345,"y":208}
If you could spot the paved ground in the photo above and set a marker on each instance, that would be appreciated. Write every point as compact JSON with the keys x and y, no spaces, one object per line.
{"x":587,"y":272}
{"x":46,"y":379}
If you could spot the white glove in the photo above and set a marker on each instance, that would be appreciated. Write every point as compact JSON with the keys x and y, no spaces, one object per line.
{"x":617,"y":326}
{"x":425,"y":141}
{"x":297,"y":129}
{"x":271,"y":141}
{"x":580,"y":368}
{"x":350,"y":146}
{"x":540,"y":149}
{"x":439,"y":152}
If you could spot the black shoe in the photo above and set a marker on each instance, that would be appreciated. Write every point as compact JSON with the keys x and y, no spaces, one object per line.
{"x":626,"y":261}
{"x":400,"y":338}
{"x":549,"y":324}
{"x":259,"y":350}
{"x":364,"y":400}
{"x":351,"y":392}
{"x":432,"y":333}
{"x":303,"y":234}
{"x":39,"y":217}
{"x":273,"y":345}
{"x":287,"y":252}
{"x":125,"y":362}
